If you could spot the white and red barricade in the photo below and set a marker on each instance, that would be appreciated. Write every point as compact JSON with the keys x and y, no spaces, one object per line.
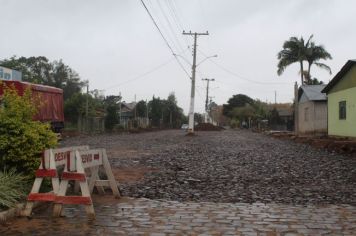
{"x":80,"y":165}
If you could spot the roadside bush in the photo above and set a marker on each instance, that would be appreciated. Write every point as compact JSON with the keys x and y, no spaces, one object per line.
{"x":22,"y":140}
{"x":111,"y":118}
{"x":13,"y":187}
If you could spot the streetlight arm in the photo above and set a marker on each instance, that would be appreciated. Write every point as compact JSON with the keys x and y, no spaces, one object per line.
{"x":206,"y":59}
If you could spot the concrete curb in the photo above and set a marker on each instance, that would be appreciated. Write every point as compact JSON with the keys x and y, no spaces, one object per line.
{"x":16,"y":211}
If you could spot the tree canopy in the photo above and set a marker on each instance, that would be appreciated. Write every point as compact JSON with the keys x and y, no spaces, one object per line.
{"x":238,"y":100}
{"x":297,"y":50}
{"x":41,"y":70}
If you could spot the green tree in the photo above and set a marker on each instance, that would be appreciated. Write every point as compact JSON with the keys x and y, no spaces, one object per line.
{"x":22,"y":140}
{"x":40,"y":70}
{"x":239,"y":100}
{"x":294,"y":51}
{"x":297,"y":50}
{"x":314,"y":54}
{"x":75,"y":106}
{"x":244,"y":113}
{"x":155,"y":111}
{"x":66,"y":78}
{"x":141,"y":108}
{"x":111,"y":118}
{"x":199,"y":118}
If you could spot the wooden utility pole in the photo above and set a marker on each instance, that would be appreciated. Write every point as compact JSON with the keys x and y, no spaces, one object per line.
{"x":207,"y":98}
{"x":87,"y":108}
{"x":120,"y":108}
{"x":87,"y":102}
{"x":135,"y":108}
{"x":147,"y":122}
{"x":207,"y":93}
{"x":192,"y":91}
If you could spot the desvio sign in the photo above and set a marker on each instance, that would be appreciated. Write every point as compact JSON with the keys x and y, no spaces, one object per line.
{"x":8,"y":74}
{"x":67,"y":156}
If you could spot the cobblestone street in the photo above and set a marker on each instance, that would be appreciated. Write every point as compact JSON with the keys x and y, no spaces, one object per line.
{"x":216,"y":183}
{"x":159,"y":218}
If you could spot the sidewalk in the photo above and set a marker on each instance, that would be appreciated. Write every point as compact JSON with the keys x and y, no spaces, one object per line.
{"x":141,"y":216}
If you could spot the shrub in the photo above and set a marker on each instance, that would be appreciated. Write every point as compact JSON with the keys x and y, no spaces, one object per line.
{"x":22,"y":140}
{"x":111,"y":118}
{"x":13,"y":187}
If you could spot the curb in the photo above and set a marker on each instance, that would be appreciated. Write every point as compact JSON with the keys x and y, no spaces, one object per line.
{"x":16,"y":211}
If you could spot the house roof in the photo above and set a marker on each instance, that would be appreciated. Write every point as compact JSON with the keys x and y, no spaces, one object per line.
{"x":339,"y":75}
{"x":312,"y":92}
{"x":130,"y":106}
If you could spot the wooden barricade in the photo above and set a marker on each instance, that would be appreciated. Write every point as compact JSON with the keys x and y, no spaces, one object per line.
{"x":51,"y":159}
{"x":75,"y":170}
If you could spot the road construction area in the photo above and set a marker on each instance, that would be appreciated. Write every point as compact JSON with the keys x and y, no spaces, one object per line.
{"x":225,"y":166}
{"x":231,"y":182}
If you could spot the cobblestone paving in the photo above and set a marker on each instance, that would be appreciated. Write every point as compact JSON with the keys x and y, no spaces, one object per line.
{"x":158,"y":218}
{"x":228,"y":166}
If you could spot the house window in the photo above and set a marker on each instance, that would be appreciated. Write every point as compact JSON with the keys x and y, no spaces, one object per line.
{"x":342,"y":110}
{"x":306,"y":114}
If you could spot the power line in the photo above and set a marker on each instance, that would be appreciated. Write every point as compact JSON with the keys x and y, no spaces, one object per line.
{"x":164,"y":38}
{"x":237,"y":75}
{"x":158,"y":13}
{"x":170,"y":26}
{"x":176,"y":19}
{"x":144,"y":74}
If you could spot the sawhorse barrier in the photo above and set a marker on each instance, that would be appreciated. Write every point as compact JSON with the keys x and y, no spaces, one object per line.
{"x":76,"y":160}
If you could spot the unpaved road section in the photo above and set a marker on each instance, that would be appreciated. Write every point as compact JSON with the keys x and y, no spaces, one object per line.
{"x":227,"y":166}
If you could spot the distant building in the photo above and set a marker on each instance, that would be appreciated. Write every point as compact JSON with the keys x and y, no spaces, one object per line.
{"x":127,"y":110}
{"x":285,"y":116}
{"x":341,"y":95}
{"x":312,"y":110}
{"x":9,"y":74}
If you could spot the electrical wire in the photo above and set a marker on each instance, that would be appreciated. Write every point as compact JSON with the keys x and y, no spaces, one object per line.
{"x":164,"y":38}
{"x":170,"y":26}
{"x":237,"y":75}
{"x":143,"y":74}
{"x":176,"y":19}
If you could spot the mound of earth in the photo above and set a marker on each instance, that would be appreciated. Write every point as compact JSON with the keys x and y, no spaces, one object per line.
{"x":207,"y":127}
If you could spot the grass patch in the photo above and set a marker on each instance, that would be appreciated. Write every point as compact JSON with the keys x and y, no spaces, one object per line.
{"x":13,"y":188}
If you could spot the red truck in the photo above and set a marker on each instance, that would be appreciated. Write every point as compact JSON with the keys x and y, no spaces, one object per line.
{"x":51,"y":108}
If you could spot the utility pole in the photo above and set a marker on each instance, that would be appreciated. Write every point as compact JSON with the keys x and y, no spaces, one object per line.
{"x":120,"y":107}
{"x":147,"y":122}
{"x":275,"y":97}
{"x":87,"y":102}
{"x":87,"y":108}
{"x":135,"y":108}
{"x":207,"y":97}
{"x":192,"y":91}
{"x":210,"y":101}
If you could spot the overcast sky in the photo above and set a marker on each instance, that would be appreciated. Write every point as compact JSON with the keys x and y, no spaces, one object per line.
{"x":115,"y":45}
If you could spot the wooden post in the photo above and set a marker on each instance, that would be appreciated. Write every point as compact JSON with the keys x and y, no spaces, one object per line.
{"x":111,"y":178}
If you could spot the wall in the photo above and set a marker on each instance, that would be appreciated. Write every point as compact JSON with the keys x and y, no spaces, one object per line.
{"x":315,"y":121}
{"x":347,"y":81}
{"x":345,"y":127}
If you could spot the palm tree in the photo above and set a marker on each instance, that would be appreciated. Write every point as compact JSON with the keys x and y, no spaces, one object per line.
{"x":315,"y":53}
{"x":294,"y":50}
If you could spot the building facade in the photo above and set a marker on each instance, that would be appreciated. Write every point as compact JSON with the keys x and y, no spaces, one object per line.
{"x":341,"y":95}
{"x":312,"y":110}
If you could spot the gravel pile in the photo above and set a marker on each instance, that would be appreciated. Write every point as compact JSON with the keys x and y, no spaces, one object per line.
{"x":207,"y":127}
{"x":229,"y":166}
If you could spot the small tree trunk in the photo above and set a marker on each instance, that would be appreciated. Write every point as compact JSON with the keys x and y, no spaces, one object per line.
{"x":301,"y":72}
{"x":309,"y":66}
